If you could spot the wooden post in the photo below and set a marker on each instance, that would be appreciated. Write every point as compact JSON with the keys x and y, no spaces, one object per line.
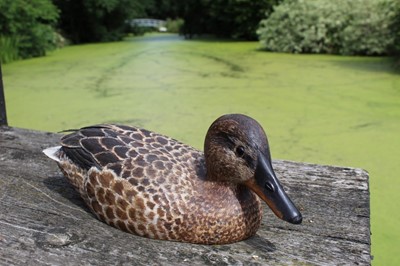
{"x":3,"y":114}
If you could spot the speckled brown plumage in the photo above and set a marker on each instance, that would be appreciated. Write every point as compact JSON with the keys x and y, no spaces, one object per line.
{"x":154,"y":186}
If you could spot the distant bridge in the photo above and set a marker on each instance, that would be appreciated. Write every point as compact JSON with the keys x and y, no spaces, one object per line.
{"x":149,"y":23}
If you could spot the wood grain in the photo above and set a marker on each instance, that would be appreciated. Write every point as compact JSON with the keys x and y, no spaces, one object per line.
{"x":43,"y":221}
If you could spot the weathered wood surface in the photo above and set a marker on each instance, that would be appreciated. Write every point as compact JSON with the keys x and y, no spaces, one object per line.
{"x":43,"y":221}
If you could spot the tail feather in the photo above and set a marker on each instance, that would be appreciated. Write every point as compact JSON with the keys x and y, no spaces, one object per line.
{"x":53,"y":153}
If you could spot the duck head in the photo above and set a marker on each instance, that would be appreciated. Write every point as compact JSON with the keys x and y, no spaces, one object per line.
{"x":236,"y":150}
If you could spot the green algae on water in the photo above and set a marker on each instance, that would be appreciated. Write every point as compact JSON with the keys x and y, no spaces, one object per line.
{"x":315,"y":108}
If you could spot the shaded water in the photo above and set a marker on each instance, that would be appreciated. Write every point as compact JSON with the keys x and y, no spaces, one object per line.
{"x":320,"y":109}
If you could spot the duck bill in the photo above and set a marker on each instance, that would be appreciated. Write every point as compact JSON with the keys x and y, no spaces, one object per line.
{"x":266,"y":185}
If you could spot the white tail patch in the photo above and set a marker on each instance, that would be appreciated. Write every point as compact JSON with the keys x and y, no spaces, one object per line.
{"x":53,"y":153}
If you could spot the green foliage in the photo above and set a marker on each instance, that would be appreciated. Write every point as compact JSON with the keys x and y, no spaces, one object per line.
{"x":8,"y":48}
{"x":174,"y":25}
{"x":324,"y":26}
{"x":395,"y":27}
{"x":164,"y":9}
{"x":138,"y":30}
{"x":236,"y":19}
{"x":26,"y":28}
{"x":85,"y":21}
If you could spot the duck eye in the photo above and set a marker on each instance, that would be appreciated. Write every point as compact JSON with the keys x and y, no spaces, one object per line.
{"x":240,"y":151}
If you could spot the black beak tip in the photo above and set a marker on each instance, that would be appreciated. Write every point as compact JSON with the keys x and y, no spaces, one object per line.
{"x":296,"y":220}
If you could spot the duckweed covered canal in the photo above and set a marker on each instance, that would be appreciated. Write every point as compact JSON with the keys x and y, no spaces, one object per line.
{"x":321,"y":109}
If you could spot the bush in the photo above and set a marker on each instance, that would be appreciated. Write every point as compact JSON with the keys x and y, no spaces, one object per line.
{"x":8,"y":48}
{"x":174,"y":25}
{"x":138,"y":30}
{"x":323,"y":26}
{"x":26,"y":28}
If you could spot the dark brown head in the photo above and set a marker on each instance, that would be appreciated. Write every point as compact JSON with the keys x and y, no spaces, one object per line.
{"x":236,"y":150}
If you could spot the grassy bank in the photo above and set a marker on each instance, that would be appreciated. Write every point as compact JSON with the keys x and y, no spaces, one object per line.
{"x":320,"y":109}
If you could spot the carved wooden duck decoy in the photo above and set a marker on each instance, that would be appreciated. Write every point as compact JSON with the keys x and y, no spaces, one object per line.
{"x":157,"y":187}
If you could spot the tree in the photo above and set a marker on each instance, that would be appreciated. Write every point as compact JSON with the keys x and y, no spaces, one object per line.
{"x":195,"y":17}
{"x":85,"y":21}
{"x":395,"y":28}
{"x":237,"y":19}
{"x":163,"y":9}
{"x":27,"y":28}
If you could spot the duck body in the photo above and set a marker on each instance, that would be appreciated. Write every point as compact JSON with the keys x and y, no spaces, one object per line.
{"x":157,"y":187}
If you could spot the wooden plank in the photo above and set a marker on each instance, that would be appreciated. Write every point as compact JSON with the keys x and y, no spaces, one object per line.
{"x":43,"y":221}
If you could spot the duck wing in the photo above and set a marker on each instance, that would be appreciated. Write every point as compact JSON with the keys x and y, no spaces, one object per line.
{"x":100,"y":145}
{"x":115,"y":146}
